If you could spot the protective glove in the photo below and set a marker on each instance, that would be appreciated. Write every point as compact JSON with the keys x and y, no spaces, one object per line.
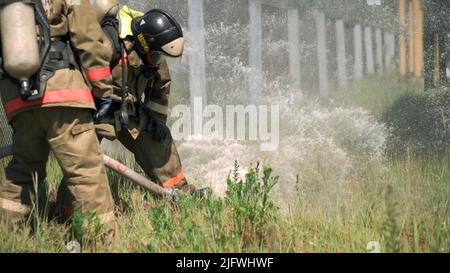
{"x":149,"y":71}
{"x":103,"y":106}
{"x":2,"y":72}
{"x":158,"y":129}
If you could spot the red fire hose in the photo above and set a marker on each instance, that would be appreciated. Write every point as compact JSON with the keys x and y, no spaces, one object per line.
{"x":122,"y":170}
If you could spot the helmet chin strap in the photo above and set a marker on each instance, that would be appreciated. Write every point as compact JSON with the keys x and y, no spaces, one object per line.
{"x":154,"y":58}
{"x":130,"y":46}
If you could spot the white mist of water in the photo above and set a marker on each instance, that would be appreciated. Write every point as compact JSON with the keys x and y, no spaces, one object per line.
{"x":250,"y":61}
{"x":340,"y":47}
{"x":379,"y":50}
{"x":389,"y":41}
{"x":197,"y":58}
{"x":322,"y":146}
{"x":322,"y":53}
{"x":358,"y":45}
{"x":255,"y":52}
{"x":370,"y":63}
{"x":294,"y":48}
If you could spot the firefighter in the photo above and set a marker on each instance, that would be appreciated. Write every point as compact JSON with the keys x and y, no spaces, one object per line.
{"x":138,"y":43}
{"x":52,"y":110}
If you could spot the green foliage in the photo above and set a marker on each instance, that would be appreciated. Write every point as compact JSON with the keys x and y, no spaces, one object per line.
{"x":390,"y":228}
{"x":375,"y":93}
{"x":250,"y":202}
{"x":436,"y":15}
{"x":240,"y":221}
{"x":247,"y":219}
{"x":420,"y":124}
{"x":404,"y":206}
{"x":87,"y":229}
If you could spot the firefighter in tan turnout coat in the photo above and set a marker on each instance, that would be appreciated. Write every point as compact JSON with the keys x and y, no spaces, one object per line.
{"x":137,"y":43}
{"x":61,"y":118}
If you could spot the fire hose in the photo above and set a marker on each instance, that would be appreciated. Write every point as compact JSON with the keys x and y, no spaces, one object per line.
{"x":120,"y":169}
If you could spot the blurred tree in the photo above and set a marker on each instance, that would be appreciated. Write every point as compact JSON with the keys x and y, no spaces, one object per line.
{"x":436,"y":29}
{"x":352,"y":12}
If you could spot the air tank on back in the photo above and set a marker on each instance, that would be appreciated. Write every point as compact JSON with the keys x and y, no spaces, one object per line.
{"x":105,"y":9}
{"x":19,"y":42}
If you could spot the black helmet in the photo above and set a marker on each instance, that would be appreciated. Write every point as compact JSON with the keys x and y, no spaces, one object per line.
{"x":158,"y":31}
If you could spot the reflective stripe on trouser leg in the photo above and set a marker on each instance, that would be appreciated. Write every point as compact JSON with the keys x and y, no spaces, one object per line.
{"x":175,"y":181}
{"x":13,"y":212}
{"x":15,"y":207}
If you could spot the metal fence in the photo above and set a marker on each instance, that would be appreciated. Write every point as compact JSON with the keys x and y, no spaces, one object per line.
{"x":5,"y":129}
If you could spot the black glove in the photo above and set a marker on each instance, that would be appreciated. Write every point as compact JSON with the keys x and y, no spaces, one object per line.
{"x":158,"y":129}
{"x":149,"y":71}
{"x":103,"y":106}
{"x":2,"y":72}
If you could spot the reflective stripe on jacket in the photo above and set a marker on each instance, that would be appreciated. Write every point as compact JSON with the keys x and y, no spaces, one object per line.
{"x":69,"y":87}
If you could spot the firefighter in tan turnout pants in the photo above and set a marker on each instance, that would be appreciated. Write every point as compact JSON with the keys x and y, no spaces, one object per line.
{"x":60,"y":119}
{"x":142,"y":89}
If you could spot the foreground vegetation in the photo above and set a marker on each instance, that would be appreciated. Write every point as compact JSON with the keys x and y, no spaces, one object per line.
{"x":402,"y":208}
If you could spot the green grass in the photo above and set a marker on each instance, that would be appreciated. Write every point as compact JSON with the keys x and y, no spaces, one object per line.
{"x":376,"y":93}
{"x":405,"y":208}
